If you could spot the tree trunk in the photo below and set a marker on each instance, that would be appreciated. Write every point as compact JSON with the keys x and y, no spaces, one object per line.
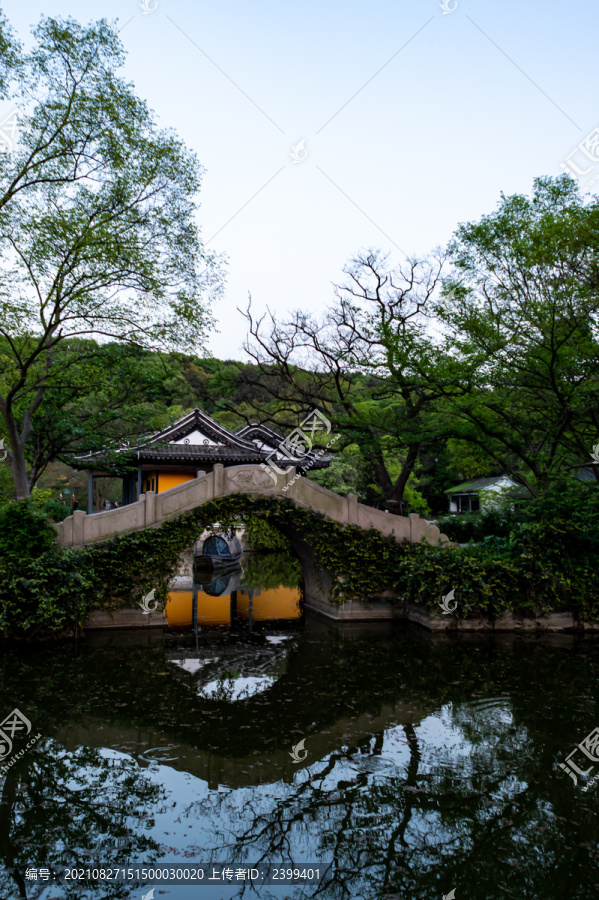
{"x":19,"y":474}
{"x":18,"y":464}
{"x":395,"y":498}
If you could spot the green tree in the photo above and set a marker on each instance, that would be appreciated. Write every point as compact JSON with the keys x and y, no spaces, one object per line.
{"x":97,"y":232}
{"x":522,"y":319}
{"x":107,"y":400}
{"x":367,"y":363}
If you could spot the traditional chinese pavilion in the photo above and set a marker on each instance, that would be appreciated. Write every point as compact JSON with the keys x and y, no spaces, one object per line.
{"x":187,"y":449}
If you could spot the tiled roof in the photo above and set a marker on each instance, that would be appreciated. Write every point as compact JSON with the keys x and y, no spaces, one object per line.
{"x":219,"y":445}
{"x":272,"y":439}
{"x":200,"y":421}
{"x":198,"y":452}
{"x":477,"y":484}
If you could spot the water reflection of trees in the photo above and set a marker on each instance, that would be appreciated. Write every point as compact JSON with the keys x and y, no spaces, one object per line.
{"x":482,"y":820}
{"x":497,"y":819}
{"x":73,"y":809}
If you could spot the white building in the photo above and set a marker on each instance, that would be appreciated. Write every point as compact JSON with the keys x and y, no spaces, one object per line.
{"x":480,"y":493}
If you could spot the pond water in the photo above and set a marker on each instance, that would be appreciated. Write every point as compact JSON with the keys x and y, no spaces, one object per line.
{"x":426,"y":763}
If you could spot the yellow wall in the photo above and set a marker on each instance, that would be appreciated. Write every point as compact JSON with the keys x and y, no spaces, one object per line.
{"x":280,"y":603}
{"x":166,"y":480}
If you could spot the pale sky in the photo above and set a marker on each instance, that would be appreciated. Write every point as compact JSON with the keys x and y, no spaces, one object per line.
{"x":413,"y":120}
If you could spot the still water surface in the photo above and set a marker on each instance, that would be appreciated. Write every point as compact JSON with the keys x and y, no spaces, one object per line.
{"x":432,"y":761}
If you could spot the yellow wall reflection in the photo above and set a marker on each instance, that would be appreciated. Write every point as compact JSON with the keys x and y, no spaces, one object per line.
{"x":279,"y":603}
{"x":211,"y":610}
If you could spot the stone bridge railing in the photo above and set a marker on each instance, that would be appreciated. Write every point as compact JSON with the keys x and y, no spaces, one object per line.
{"x":152,"y":509}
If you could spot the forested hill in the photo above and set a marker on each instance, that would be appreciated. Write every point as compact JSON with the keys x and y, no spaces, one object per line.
{"x":121,"y":393}
{"x":480,"y":361}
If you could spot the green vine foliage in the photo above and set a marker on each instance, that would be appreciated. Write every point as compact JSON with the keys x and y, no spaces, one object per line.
{"x":260,"y":535}
{"x":544,"y":565}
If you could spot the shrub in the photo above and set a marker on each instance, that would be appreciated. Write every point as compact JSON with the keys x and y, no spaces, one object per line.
{"x":7,"y":486}
{"x":42,"y":587}
{"x":566,"y":499}
{"x":24,"y":533}
{"x":464,"y":527}
{"x":44,"y":595}
{"x":56,"y":510}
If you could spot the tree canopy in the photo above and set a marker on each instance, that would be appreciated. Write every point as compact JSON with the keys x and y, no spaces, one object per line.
{"x":523,"y":320}
{"x":97,"y":230}
{"x":479,"y":360}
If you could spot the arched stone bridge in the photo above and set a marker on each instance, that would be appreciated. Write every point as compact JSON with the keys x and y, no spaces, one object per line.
{"x":153,"y":509}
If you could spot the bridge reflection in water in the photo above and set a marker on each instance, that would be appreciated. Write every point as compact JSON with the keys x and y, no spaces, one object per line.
{"x":429,"y":759}
{"x":249,"y":654}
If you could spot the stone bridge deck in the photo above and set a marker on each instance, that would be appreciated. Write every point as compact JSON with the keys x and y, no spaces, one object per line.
{"x":152,"y":509}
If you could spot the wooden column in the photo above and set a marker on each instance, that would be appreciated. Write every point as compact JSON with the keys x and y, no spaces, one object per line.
{"x":90,"y":492}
